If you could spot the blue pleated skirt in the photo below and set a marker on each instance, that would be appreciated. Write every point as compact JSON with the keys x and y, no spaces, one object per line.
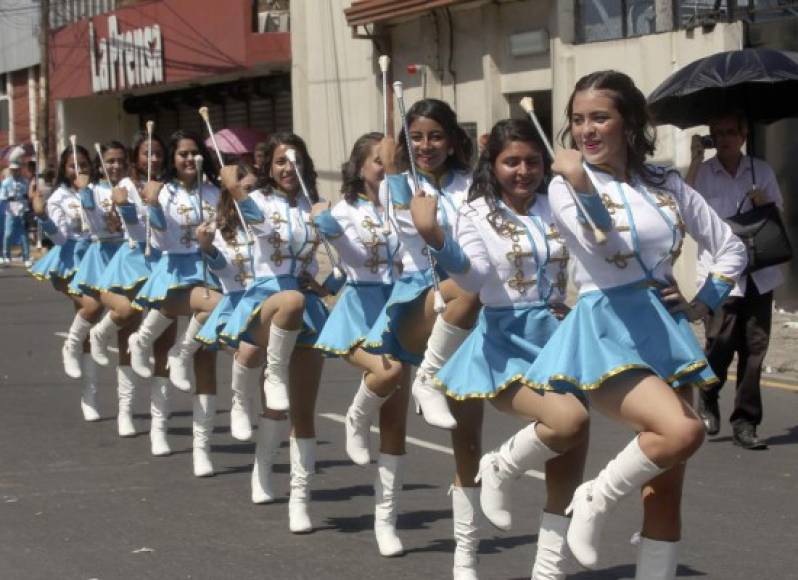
{"x":209,"y":333}
{"x":382,"y":339}
{"x":60,"y":261}
{"x":353,"y":316}
{"x":249,"y":306}
{"x":615,"y":330}
{"x":498,"y":352}
{"x":92,"y":266}
{"x":173,"y":272}
{"x":128,"y":268}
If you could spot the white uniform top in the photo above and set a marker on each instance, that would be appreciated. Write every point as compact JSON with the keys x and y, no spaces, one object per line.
{"x":512,"y":259}
{"x":367,"y":253}
{"x":646,"y":246}
{"x":285,"y":239}
{"x":174,"y":230}
{"x":452,"y":193}
{"x":725,"y":193}
{"x":99,"y":212}
{"x":64,"y":210}
{"x":234,"y":265}
{"x":134,"y":227}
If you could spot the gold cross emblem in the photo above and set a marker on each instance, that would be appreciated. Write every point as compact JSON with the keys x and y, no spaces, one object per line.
{"x":184,"y":211}
{"x":620,"y":260}
{"x":518,"y":282}
{"x":609,"y":204}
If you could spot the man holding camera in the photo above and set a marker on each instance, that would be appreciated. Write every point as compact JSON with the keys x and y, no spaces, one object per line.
{"x":732,"y":182}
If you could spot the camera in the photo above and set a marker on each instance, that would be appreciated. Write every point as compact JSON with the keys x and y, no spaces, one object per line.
{"x":707,"y":142}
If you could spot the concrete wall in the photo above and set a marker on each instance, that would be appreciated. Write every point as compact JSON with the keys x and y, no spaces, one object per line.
{"x":93,"y":119}
{"x":19,"y":42}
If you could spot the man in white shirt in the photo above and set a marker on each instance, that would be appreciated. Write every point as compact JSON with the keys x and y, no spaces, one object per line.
{"x":732,"y":182}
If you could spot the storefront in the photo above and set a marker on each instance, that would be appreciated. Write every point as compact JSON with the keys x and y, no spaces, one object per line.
{"x":163,"y":60}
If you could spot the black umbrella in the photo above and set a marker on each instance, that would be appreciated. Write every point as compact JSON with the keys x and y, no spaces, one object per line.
{"x":763,"y":83}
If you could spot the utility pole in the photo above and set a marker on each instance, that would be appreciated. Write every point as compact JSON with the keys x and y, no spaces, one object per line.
{"x":43,"y":117}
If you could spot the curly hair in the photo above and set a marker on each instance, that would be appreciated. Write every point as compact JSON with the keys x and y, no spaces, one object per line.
{"x":305,"y":163}
{"x":352,"y":183}
{"x":441,"y":113}
{"x":641,"y":137}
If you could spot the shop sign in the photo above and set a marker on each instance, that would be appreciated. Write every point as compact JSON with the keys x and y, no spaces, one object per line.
{"x":126,"y":60}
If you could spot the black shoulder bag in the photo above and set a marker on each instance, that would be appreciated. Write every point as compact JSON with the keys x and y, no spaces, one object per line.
{"x":762,"y":231}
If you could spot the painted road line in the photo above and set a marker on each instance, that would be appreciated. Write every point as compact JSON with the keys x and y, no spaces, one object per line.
{"x":421,"y":443}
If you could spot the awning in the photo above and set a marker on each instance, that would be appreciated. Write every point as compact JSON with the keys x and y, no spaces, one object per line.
{"x":371,"y":11}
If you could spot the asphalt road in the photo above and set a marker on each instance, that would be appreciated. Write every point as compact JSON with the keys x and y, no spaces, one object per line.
{"x":77,"y":502}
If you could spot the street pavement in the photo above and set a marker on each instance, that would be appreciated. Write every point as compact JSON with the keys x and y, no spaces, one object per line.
{"x":77,"y":502}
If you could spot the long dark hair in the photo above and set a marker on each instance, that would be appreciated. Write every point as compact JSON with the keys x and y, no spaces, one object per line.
{"x":60,"y":173}
{"x":352,"y":183}
{"x":485,"y":183}
{"x":641,"y":137}
{"x":303,"y":160}
{"x":227,"y":220}
{"x":139,"y":140}
{"x":208,"y":163}
{"x":441,"y":113}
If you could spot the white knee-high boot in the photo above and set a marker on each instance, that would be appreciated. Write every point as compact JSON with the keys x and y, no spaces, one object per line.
{"x":88,"y":395}
{"x":126,"y":387}
{"x":594,"y":500}
{"x":387,"y":486}
{"x":359,"y":417}
{"x":141,"y":342}
{"x":159,"y":414}
{"x":444,"y":339}
{"x":278,"y":356}
{"x":500,"y":467}
{"x":72,"y":352}
{"x":270,"y":435}
{"x":204,"y":412}
{"x":181,"y":357}
{"x":465,"y":515}
{"x":243,"y":382}
{"x":552,"y":552}
{"x":656,"y":560}
{"x":303,"y":465}
{"x":100,"y":338}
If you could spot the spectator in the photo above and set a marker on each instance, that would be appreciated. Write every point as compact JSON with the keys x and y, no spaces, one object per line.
{"x":742,"y":324}
{"x":14,"y":190}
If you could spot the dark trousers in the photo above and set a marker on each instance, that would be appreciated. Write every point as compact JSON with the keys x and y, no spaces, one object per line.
{"x":742,"y":326}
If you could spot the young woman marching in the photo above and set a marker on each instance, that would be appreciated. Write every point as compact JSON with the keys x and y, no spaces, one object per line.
{"x":369,"y":252}
{"x":281,"y":309}
{"x":64,"y":221}
{"x":628,"y":342}
{"x":507,"y":249}
{"x":408,"y":323}
{"x":229,"y":252}
{"x":120,"y":282}
{"x":179,"y":283}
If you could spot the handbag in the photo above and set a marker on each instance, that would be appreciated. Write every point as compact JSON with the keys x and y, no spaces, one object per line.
{"x":762,"y":231}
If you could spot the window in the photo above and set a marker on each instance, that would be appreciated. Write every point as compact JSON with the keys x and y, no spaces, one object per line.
{"x":4,"y":120}
{"x":610,"y":19}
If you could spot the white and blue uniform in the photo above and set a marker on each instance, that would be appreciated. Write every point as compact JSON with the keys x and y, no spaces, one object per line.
{"x":284,"y":249}
{"x":174,"y":223}
{"x":518,"y":266}
{"x":233,"y":263}
{"x":13,"y":204}
{"x":130,"y":267}
{"x":64,"y":225}
{"x":98,"y":211}
{"x":619,"y":322}
{"x":371,"y":261}
{"x":416,"y":277}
